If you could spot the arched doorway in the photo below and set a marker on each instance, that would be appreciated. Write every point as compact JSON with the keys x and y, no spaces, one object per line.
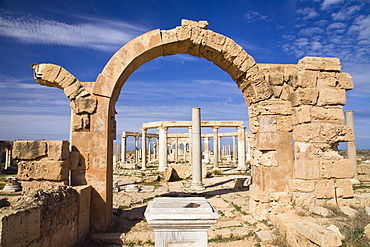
{"x":93,"y":123}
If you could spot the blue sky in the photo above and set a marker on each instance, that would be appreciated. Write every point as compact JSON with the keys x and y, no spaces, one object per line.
{"x":81,"y":36}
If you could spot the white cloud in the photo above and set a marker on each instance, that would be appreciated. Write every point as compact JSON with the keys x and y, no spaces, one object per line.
{"x":308,"y":13}
{"x":346,"y":13}
{"x":96,"y":34}
{"x":327,"y":3}
{"x":310,"y":31}
{"x":361,"y":26}
{"x":336,"y":25}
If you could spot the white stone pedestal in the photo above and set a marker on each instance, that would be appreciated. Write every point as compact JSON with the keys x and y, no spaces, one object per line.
{"x":181,"y":221}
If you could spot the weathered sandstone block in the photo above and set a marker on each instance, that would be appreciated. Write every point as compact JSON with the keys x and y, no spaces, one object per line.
{"x":319,"y":63}
{"x":305,"y":96}
{"x":344,"y":188}
{"x":270,"y":107}
{"x":325,"y":189}
{"x":20,"y":228}
{"x":284,"y":123}
{"x":332,"y":96}
{"x":81,"y":122}
{"x":32,"y":185}
{"x":169,"y":41}
{"x":276,"y":79}
{"x":306,"y":132}
{"x":199,"y":24}
{"x":302,"y":199}
{"x":344,"y":81}
{"x":298,"y":185}
{"x":303,"y":114}
{"x":306,"y":79}
{"x":43,"y":170}
{"x":267,"y":140}
{"x":84,"y":105}
{"x":306,"y":169}
{"x":314,"y":233}
{"x":29,"y":150}
{"x":337,"y":133}
{"x":58,"y":150}
{"x":328,"y":113}
{"x":327,"y":79}
{"x":336,"y":169}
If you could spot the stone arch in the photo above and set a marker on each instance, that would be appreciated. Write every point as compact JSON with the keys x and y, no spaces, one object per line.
{"x":280,"y":98}
{"x":191,"y":38}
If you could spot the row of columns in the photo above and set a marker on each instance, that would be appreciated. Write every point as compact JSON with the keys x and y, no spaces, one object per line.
{"x":239,"y":149}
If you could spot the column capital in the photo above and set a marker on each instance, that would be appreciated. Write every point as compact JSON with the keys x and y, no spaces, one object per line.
{"x":215,"y":129}
{"x":143,"y":130}
{"x":240,"y":128}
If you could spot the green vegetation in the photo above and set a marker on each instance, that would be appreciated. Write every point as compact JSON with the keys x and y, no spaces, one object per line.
{"x":220,"y":239}
{"x":353,"y":229}
{"x":217,"y":172}
{"x":221,"y":213}
{"x":238,"y":208}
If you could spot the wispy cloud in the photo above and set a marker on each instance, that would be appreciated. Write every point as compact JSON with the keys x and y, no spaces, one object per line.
{"x":307,"y":13}
{"x":344,"y":34}
{"x":91,"y":33}
{"x":252,"y":16}
{"x":328,"y":3}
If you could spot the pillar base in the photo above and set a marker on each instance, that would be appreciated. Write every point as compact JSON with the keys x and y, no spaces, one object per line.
{"x":197,"y":187}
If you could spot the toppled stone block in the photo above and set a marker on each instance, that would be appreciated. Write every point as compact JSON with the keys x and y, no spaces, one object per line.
{"x":43,"y":170}
{"x":318,"y":210}
{"x":348,"y":211}
{"x":319,"y":63}
{"x":317,"y":234}
{"x":29,"y":150}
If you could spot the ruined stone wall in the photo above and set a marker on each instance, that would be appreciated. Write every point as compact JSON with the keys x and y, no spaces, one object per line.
{"x":42,"y":162}
{"x":54,"y":215}
{"x":321,"y":175}
{"x":295,"y":137}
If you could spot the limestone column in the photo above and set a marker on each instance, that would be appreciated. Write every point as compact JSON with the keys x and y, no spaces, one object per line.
{"x":206,"y":149}
{"x":190,"y":143}
{"x":162,"y":156}
{"x":219,"y":149}
{"x":196,"y":153}
{"x":7,"y":158}
{"x":351,"y":146}
{"x":149,"y":149}
{"x":155,"y":145}
{"x":123,"y":149}
{"x":136,"y":149}
{"x":235,"y":152}
{"x":215,"y":147}
{"x":176,"y":150}
{"x":143,"y":149}
{"x":241,"y":148}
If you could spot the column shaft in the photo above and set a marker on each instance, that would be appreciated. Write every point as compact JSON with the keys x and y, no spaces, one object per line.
{"x":143,"y":149}
{"x":241,"y":148}
{"x":162,"y":156}
{"x":215,"y":148}
{"x":351,"y":146}
{"x":196,"y":153}
{"x":123,"y":149}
